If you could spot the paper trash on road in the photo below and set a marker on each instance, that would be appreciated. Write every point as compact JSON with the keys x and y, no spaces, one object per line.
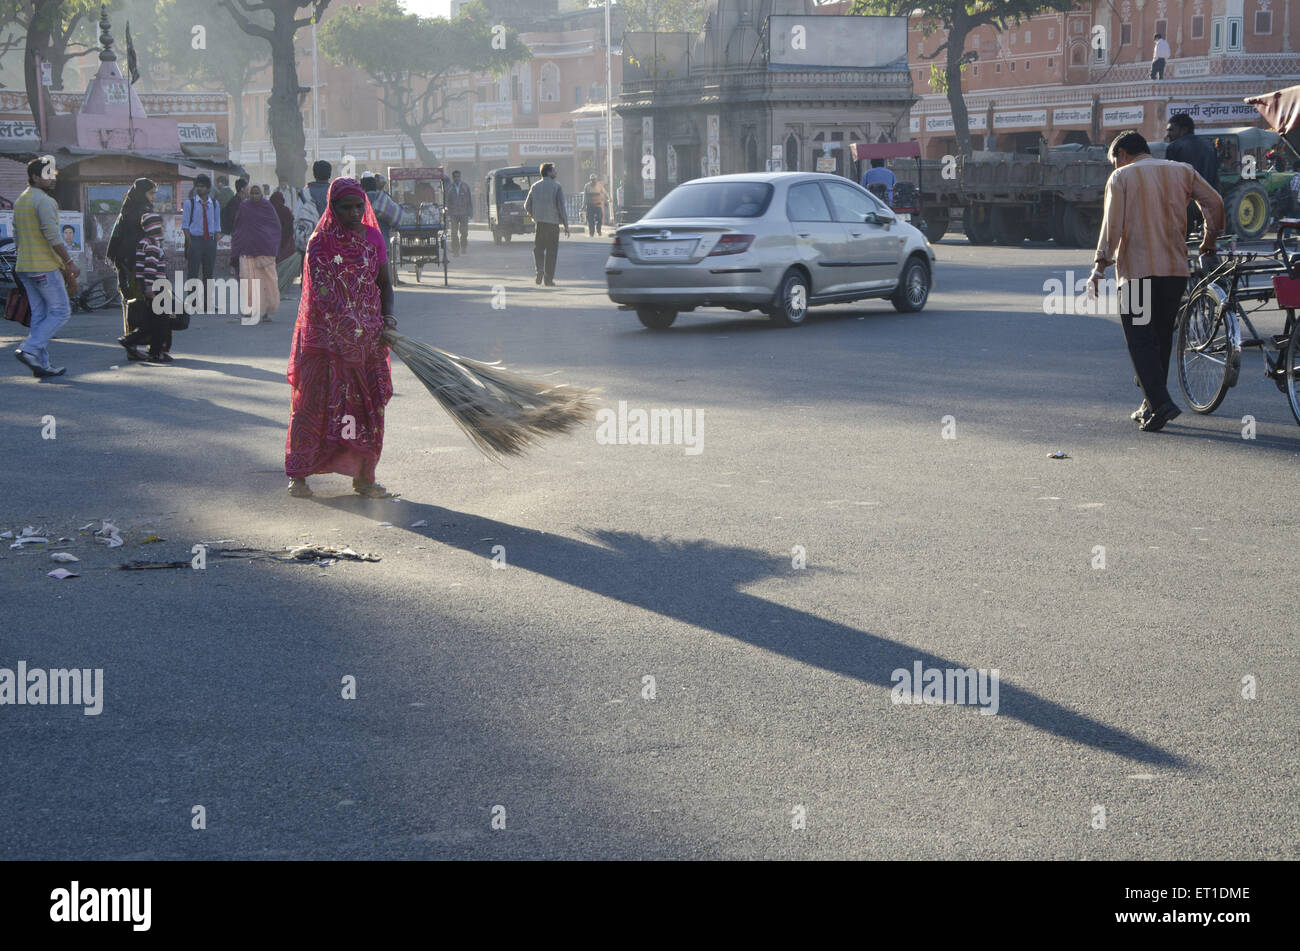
{"x":62,"y":573}
{"x":109,"y":535}
{"x":29,"y":536}
{"x":63,"y":556}
{"x":1059,"y":454}
{"x":153,"y":538}
{"x":420,"y":524}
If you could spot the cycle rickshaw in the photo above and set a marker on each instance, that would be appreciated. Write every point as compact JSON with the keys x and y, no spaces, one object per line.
{"x":1213,"y":326}
{"x":420,"y":238}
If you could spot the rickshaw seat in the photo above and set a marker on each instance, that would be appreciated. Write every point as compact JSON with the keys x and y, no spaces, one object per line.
{"x":1287,"y":291}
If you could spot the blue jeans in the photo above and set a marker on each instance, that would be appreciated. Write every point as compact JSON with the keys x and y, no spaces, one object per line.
{"x":48,"y":299}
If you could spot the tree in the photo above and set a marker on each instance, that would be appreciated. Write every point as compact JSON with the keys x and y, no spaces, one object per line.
{"x":55,"y":30}
{"x":661,"y":16}
{"x":287,"y":135}
{"x":410,"y":58}
{"x":230,"y":67}
{"x":959,"y":18}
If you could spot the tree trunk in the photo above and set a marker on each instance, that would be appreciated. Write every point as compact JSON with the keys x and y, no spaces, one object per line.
{"x":38,"y":42}
{"x":412,"y":131}
{"x":237,"y":133}
{"x":287,"y":136}
{"x":960,"y":118}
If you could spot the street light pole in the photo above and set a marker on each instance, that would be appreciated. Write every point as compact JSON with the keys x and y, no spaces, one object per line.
{"x":315,"y":102}
{"x":609,"y":112}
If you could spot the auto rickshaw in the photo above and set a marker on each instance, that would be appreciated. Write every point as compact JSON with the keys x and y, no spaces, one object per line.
{"x":505,"y":190}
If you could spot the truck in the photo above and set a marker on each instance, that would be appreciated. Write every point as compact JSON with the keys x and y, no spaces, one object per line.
{"x":1058,"y":192}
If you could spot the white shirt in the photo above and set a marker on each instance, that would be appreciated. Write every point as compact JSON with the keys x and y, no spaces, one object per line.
{"x":1162,"y":50}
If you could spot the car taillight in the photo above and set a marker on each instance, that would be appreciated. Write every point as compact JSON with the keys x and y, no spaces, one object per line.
{"x":618,"y":251}
{"x":732,"y":244}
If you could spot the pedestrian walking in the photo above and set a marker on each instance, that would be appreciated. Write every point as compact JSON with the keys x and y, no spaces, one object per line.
{"x":545,"y":203}
{"x":1158,"y":57}
{"x":229,"y":214}
{"x":44,"y":268}
{"x":318,"y":189}
{"x":150,"y":327}
{"x":201,"y":225}
{"x":339,"y":366}
{"x":288,"y":260}
{"x":256,"y":242}
{"x":460,"y":206}
{"x":122,"y":243}
{"x":596,"y":198}
{"x":387,"y":212}
{"x":1143,"y":234}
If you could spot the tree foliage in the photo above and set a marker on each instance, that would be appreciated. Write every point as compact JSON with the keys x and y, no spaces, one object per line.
{"x":661,"y":16}
{"x":959,"y":18}
{"x":411,"y":57}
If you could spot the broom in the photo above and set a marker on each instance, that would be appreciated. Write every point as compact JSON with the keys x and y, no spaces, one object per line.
{"x":503,"y":414}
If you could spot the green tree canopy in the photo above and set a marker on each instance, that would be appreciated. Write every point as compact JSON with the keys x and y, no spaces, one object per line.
{"x":411,"y":57}
{"x":959,"y":18}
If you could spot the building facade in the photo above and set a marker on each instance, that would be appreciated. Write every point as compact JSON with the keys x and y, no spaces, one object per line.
{"x":1085,"y":75}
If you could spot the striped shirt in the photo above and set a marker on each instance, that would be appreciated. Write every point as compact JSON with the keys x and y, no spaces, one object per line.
{"x":148,"y":262}
{"x":36,"y":230}
{"x":1144,"y":227}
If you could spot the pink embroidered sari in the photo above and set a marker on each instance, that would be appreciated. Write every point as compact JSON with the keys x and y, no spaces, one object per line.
{"x":338,"y":366}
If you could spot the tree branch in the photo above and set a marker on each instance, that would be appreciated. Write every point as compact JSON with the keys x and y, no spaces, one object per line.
{"x":244,"y":23}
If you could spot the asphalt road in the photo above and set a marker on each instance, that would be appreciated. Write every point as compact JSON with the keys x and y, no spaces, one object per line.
{"x":1120,"y":687}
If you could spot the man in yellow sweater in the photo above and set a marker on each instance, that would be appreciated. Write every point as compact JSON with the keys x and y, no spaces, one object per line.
{"x":43,"y":260}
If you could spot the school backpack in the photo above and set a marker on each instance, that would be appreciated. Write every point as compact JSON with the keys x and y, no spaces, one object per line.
{"x":305,"y":217}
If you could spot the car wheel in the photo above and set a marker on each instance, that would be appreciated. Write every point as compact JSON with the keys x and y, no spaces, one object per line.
{"x":656,"y":318}
{"x":914,"y":289}
{"x":791,"y":306}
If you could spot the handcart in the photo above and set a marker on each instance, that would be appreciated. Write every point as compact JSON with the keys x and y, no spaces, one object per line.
{"x":420,"y":237}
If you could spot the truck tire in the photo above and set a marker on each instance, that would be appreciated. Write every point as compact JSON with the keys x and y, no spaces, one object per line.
{"x":1010,"y":224}
{"x":1247,"y":210}
{"x":936,"y":226}
{"x":978,"y":224}
{"x":1080,"y":226}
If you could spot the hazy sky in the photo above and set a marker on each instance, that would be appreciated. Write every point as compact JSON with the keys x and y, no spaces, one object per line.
{"x":428,"y":8}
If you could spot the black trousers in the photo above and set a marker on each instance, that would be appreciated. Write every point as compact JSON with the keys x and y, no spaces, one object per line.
{"x":1148,"y":310}
{"x":1158,"y":68}
{"x":595,"y":217}
{"x":546,"y":245}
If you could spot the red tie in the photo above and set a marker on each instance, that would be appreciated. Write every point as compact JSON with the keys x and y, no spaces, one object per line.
{"x":205,"y":221}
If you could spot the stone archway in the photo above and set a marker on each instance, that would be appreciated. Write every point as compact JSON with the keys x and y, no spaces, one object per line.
{"x":792,"y":153}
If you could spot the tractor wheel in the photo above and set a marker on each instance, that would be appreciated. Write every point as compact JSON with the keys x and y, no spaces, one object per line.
{"x":1247,"y":210}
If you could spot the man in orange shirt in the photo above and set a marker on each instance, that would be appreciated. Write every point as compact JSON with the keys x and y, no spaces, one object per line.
{"x":1143,"y":234}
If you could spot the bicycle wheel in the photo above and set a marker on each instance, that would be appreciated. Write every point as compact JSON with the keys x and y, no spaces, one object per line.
{"x":1292,"y":364}
{"x":1209,"y":348}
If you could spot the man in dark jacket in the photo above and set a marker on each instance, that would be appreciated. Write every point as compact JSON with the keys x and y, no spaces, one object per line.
{"x":1191,"y":149}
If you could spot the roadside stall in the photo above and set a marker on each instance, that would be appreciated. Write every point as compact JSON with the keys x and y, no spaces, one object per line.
{"x":421,"y":236}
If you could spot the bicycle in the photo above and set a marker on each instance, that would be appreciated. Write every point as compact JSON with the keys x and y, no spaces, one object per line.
{"x":1211,"y":318}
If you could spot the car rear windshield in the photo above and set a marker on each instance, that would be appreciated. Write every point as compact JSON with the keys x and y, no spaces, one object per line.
{"x":715,"y":200}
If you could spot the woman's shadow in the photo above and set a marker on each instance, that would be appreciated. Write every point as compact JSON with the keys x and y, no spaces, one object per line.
{"x":699,"y":583}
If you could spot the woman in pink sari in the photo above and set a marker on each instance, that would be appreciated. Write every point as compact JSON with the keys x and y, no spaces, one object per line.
{"x":339,"y":368}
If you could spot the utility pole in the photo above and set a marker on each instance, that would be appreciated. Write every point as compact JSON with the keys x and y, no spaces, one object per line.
{"x":609,"y":114}
{"x":315,"y":101}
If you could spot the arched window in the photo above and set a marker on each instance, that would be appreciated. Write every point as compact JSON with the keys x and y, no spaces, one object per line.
{"x":548,"y":85}
{"x":751,"y":154}
{"x":792,"y":153}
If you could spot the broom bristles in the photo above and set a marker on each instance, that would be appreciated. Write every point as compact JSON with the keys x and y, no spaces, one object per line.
{"x":502,"y":413}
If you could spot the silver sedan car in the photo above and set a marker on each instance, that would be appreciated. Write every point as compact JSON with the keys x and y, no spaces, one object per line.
{"x":776,"y":242}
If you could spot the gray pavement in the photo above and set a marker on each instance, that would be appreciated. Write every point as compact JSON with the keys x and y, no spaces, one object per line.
{"x":1121,"y":687}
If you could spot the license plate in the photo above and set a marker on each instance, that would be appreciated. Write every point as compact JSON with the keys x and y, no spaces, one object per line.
{"x":664,"y":250}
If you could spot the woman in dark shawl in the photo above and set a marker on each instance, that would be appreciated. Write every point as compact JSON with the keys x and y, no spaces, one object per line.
{"x":288,"y":262}
{"x":256,"y":241}
{"x":122,"y":243}
{"x":339,"y":367}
